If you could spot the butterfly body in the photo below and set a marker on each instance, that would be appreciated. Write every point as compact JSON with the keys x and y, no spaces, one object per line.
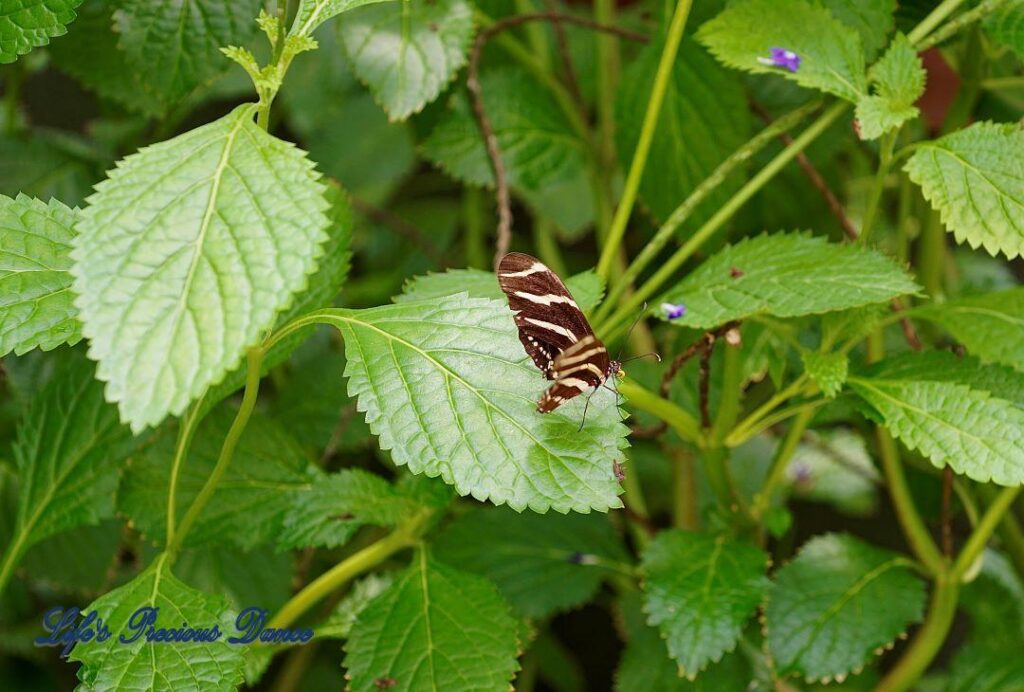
{"x":553,"y":330}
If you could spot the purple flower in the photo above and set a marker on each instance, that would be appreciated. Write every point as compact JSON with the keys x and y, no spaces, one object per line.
{"x":780,"y":57}
{"x":673,"y":311}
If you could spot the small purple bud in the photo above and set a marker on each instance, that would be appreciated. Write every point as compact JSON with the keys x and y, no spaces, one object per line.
{"x":780,"y":57}
{"x":673,"y":311}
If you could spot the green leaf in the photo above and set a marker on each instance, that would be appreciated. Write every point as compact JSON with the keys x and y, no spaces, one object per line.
{"x":85,"y":554}
{"x":899,"y":82}
{"x":45,"y":165}
{"x":586,"y":287}
{"x":36,"y":309}
{"x":835,"y":467}
{"x":1006,"y":27}
{"x":700,"y":590}
{"x":185,"y":255}
{"x":827,"y":370}
{"x":542,"y":564}
{"x":143,"y":665}
{"x":260,"y":577}
{"x":68,"y":452}
{"x":973,"y":177}
{"x":436,"y":628}
{"x":990,"y":667}
{"x":313,"y":13}
{"x":956,"y":413}
{"x":341,"y":620}
{"x":267,"y":476}
{"x":408,"y":55}
{"x":873,"y":20}
{"x":990,"y":325}
{"x":787,"y":275}
{"x":646,"y":667}
{"x":994,"y":600}
{"x":831,"y":56}
{"x":703,"y":120}
{"x":538,"y":145}
{"x":836,"y":603}
{"x":447,"y":387}
{"x":176,"y":45}
{"x":28,"y":24}
{"x":338,"y":505}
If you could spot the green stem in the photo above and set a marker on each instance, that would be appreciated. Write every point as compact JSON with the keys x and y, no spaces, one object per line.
{"x":931,"y":258}
{"x":929,"y":637}
{"x":535,"y":33}
{"x":928,"y":24}
{"x":614,"y":325}
{"x":964,"y":20}
{"x":998,"y":83}
{"x":547,"y":246}
{"x":473,"y":218}
{"x":643,"y":146}
{"x":741,"y":433}
{"x":405,"y":536}
{"x":983,"y":531}
{"x":13,"y":78}
{"x":254,"y":359}
{"x":878,"y":186}
{"x":685,"y":425}
{"x":684,"y":491}
{"x":667,"y":231}
{"x":185,"y":434}
{"x":12,"y":556}
{"x":1013,"y":540}
{"x":633,"y":496}
{"x":780,"y":463}
{"x":732,"y":387}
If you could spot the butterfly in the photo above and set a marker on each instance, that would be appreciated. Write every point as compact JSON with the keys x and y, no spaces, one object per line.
{"x":554,"y":331}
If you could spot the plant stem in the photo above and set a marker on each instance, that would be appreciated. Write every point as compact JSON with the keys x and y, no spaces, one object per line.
{"x":643,"y":146}
{"x":928,"y":639}
{"x":684,"y":491}
{"x":878,"y":186}
{"x":185,"y":434}
{"x":741,"y":433}
{"x":681,"y":213}
{"x":616,"y":323}
{"x":780,"y":462}
{"x":732,"y":387}
{"x":685,"y":425}
{"x":966,"y":19}
{"x":473,"y":220}
{"x":928,"y":24}
{"x":405,"y":536}
{"x":983,"y":531}
{"x":547,"y":246}
{"x":254,"y":358}
{"x":931,"y":258}
{"x":607,"y":78}
{"x":535,"y":34}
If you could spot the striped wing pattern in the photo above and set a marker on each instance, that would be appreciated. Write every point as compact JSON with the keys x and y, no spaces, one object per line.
{"x":553,"y":329}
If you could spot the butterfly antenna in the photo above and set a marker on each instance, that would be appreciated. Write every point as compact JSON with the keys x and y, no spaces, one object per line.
{"x":618,"y":357}
{"x":652,"y":353}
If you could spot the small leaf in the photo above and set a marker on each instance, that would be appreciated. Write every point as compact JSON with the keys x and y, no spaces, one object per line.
{"x":267,"y":476}
{"x":538,"y":145}
{"x":435,"y":628}
{"x":28,"y":24}
{"x":448,"y":388}
{"x":339,"y":623}
{"x":1006,"y":27}
{"x":835,"y":468}
{"x":838,"y":602}
{"x":313,"y":13}
{"x":542,"y":564}
{"x":142,"y":665}
{"x":704,"y":119}
{"x":646,"y":667}
{"x":175,"y":46}
{"x":990,"y":325}
{"x":408,"y":55}
{"x":973,"y":177}
{"x":225,"y":224}
{"x":36,"y":309}
{"x":787,"y":275}
{"x":899,"y":82}
{"x":827,"y":370}
{"x":873,"y":20}
{"x":700,"y":590}
{"x":831,"y":56}
{"x":586,"y":288}
{"x":956,"y":413}
{"x":69,"y":449}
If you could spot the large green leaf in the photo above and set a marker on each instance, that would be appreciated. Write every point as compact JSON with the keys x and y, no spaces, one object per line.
{"x":407,"y":55}
{"x":838,"y":602}
{"x":899,"y":82}
{"x":1006,"y":26}
{"x":538,"y":146}
{"x":873,"y":20}
{"x":700,"y":590}
{"x":787,"y":275}
{"x":975,"y":179}
{"x":831,"y":56}
{"x":586,"y":287}
{"x":955,"y":412}
{"x":542,"y":564}
{"x":85,"y":555}
{"x":260,"y":576}
{"x":142,"y":665}
{"x":28,"y":24}
{"x":268,"y":475}
{"x":704,"y":118}
{"x":435,"y":629}
{"x":36,"y":309}
{"x":447,"y":387}
{"x":313,"y":13}
{"x":990,"y":325}
{"x":69,"y":449}
{"x":187,"y":253}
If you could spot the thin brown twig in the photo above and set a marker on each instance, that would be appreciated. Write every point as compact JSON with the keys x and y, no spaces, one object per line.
{"x":401,"y":226}
{"x":562,"y":41}
{"x":704,"y":384}
{"x":909,"y":333}
{"x":504,"y":234}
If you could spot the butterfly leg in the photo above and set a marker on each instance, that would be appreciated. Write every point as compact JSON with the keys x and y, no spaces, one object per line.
{"x":585,"y":407}
{"x":618,"y":398}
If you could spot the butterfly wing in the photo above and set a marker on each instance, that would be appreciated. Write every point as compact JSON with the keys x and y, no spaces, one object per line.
{"x":582,"y":366}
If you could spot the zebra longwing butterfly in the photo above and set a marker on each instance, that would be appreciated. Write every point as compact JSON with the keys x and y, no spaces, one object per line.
{"x":554,"y":330}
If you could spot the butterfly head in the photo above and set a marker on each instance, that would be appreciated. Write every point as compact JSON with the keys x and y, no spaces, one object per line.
{"x":615,"y":369}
